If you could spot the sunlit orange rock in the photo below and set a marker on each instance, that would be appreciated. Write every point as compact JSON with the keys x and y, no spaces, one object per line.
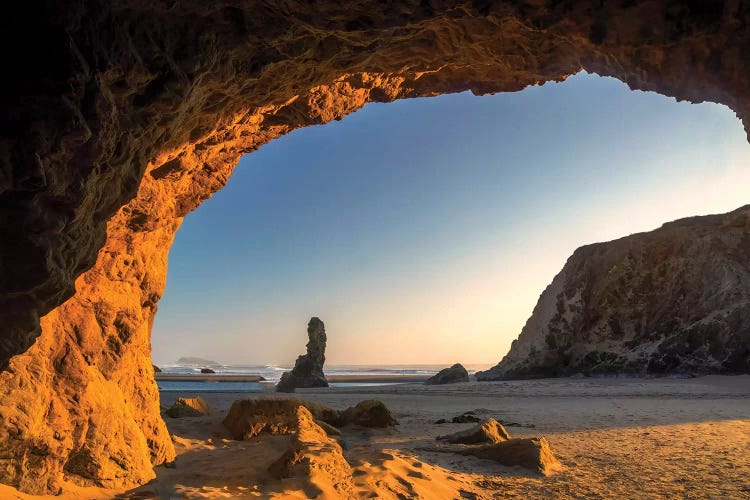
{"x":119,"y":118}
{"x":531,"y":453}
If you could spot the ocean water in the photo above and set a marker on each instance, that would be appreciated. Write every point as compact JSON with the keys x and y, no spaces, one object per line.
{"x":272,"y":374}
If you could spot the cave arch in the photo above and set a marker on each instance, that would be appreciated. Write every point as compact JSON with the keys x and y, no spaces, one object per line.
{"x":128,"y":115}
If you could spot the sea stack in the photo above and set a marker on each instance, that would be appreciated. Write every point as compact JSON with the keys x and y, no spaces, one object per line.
{"x":308,"y":369}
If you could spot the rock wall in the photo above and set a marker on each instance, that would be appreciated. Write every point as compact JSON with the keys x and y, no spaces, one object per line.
{"x":673,"y":300}
{"x":121,"y":117}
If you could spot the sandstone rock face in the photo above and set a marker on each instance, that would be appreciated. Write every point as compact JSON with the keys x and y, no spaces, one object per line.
{"x":308,"y":369}
{"x":130,"y":114}
{"x":488,"y":431}
{"x":189,"y":407}
{"x":673,"y":300}
{"x":248,"y":418}
{"x":454,"y":374}
{"x":531,"y":453}
{"x":315,"y":458}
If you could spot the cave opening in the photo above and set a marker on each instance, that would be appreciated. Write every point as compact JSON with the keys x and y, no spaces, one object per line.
{"x":133,"y":113}
{"x":410,"y":221}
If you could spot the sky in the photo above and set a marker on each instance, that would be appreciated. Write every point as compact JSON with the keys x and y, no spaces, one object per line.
{"x":423,"y":231}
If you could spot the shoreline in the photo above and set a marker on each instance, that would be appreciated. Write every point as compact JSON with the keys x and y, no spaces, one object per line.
{"x":218,"y":377}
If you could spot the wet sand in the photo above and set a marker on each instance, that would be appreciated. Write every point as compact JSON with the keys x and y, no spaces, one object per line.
{"x":616,"y":438}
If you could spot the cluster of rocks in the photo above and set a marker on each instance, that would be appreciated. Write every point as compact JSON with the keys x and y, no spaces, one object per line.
{"x":491,"y":441}
{"x":250,"y":417}
{"x":314,"y":428}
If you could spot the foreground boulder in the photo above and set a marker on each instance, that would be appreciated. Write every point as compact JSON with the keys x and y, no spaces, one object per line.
{"x":369,"y":413}
{"x":453,"y":375}
{"x":248,"y":418}
{"x":189,"y":407}
{"x":672,"y":300}
{"x":308,"y":369}
{"x":532,"y":453}
{"x":489,"y":431}
{"x":315,"y":459}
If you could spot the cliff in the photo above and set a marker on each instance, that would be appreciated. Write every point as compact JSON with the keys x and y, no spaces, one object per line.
{"x":673,"y":300}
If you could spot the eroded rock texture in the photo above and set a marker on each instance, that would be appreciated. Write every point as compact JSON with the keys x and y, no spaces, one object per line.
{"x":119,"y":118}
{"x":673,"y":300}
{"x":308,"y":369}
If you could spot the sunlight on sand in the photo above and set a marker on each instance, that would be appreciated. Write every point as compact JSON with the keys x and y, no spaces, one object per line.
{"x":616,"y":438}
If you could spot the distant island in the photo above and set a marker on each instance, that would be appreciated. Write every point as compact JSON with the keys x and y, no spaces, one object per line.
{"x":191,"y":360}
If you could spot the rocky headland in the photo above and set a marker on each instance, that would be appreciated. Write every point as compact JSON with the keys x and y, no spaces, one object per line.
{"x":675,"y":300}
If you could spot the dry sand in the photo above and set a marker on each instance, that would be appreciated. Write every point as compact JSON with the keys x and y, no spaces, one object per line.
{"x":617,"y":438}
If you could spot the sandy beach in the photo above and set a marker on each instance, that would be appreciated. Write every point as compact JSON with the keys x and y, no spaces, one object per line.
{"x":616,"y":438}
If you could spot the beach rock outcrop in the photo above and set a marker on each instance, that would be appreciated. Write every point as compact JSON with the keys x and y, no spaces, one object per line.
{"x":488,"y":431}
{"x":464,"y":418}
{"x":207,"y":370}
{"x":249,"y":417}
{"x":308,"y":369}
{"x":531,"y":453}
{"x":315,"y":458}
{"x":189,"y":407}
{"x":452,"y":375}
{"x":369,"y":413}
{"x":130,"y":114}
{"x":669,"y":301}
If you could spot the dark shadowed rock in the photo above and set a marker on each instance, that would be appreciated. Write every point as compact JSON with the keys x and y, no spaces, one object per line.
{"x":249,"y":417}
{"x":156,"y":369}
{"x":207,"y":370}
{"x":454,"y":374}
{"x":466,"y":418}
{"x":189,"y":407}
{"x":308,"y":369}
{"x":286,"y":383}
{"x":675,"y":300}
{"x":532,"y":453}
{"x":369,"y":413}
{"x":489,"y":431}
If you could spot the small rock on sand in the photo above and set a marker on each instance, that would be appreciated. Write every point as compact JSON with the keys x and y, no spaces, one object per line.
{"x":489,"y":431}
{"x":455,"y":374}
{"x":369,"y":413}
{"x":531,"y":453}
{"x":189,"y":407}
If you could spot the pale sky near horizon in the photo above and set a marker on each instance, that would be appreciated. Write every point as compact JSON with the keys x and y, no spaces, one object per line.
{"x":423,"y":231}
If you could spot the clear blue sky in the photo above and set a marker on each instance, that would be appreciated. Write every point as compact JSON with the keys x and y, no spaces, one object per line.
{"x":423,"y":231}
